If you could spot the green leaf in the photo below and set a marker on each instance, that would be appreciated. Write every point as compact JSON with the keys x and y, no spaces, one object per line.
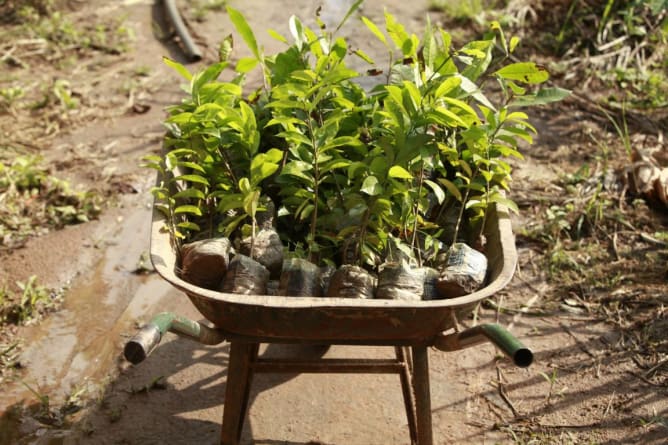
{"x":250,"y":202}
{"x":190,"y":165}
{"x":157,"y":159}
{"x":396,"y":31}
{"x":159,"y":193}
{"x":295,"y":137}
{"x":300,"y":170}
{"x":229,"y":201}
{"x":297,"y":31}
{"x":481,"y":50}
{"x":444,"y":116}
{"x":364,"y":56}
{"x":262,"y":167}
{"x":449,"y":84}
{"x":472,"y":89}
{"x":187,"y":225}
{"x":244,"y":186}
{"x":182,"y":70}
{"x":305,"y":210}
{"x":354,"y":7}
{"x":514,"y":41}
{"x":495,"y":26}
{"x":244,"y":30}
{"x":229,"y":226}
{"x":526,"y":72}
{"x":517,"y":115}
{"x":192,"y":178}
{"x":516,"y":89}
{"x":189,"y":209}
{"x":399,"y":172}
{"x":438,"y":191}
{"x":374,"y":29}
{"x":190,"y":193}
{"x":464,"y":107}
{"x":225,"y":48}
{"x":452,"y":188}
{"x":277,"y":36}
{"x":429,"y":48}
{"x":371,"y":186}
{"x":508,"y":203}
{"x":209,"y":74}
{"x":286,"y":121}
{"x":245,"y":65}
{"x":542,"y":97}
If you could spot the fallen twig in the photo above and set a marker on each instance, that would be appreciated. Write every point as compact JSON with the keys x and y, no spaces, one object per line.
{"x":581,"y":345}
{"x":502,"y":392}
{"x":650,"y":239}
{"x":654,"y":368}
{"x":645,"y":379}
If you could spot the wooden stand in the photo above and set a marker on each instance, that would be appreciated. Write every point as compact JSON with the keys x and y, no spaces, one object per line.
{"x":411,"y":363}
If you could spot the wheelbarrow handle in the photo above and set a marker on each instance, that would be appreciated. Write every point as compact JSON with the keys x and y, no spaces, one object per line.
{"x":492,"y":332}
{"x":145,"y":341}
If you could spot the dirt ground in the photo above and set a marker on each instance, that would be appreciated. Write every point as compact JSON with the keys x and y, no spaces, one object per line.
{"x":593,"y":381}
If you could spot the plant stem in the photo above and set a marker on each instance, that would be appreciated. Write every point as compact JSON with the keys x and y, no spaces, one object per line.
{"x":253,"y":228}
{"x":227,"y":164}
{"x":362,"y":235}
{"x":316,"y":177}
{"x":416,"y":209}
{"x":461,"y":213}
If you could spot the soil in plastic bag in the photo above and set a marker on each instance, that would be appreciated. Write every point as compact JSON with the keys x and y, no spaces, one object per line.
{"x":267,"y":250}
{"x":326,"y":273}
{"x":463,"y":273}
{"x":205,"y":262}
{"x":430,"y":291}
{"x":245,"y":276}
{"x":351,"y":281}
{"x":300,"y":278}
{"x":399,"y":281}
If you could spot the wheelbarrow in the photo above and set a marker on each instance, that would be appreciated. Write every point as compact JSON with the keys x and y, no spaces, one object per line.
{"x":246,"y":321}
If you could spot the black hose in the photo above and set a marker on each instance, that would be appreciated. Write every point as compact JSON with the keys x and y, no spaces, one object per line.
{"x":192,"y":51}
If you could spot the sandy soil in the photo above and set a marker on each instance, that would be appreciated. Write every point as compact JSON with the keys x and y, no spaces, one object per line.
{"x":585,"y":386}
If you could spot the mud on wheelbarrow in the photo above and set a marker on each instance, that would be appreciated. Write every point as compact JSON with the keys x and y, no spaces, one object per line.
{"x":246,"y":321}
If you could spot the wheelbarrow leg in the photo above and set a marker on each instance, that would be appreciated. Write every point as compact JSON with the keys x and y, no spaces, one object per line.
{"x":237,"y":390}
{"x":404,"y":357}
{"x":422,"y":395}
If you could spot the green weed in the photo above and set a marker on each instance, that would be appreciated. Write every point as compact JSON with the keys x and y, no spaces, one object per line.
{"x":63,"y":92}
{"x":626,"y":45}
{"x":468,"y":10}
{"x":59,"y":35}
{"x":9,"y":97}
{"x":34,"y":201}
{"x":33,"y":298}
{"x":44,"y":401}
{"x":654,"y":420}
{"x":201,"y":8}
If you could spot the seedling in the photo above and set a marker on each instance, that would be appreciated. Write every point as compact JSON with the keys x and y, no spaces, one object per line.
{"x":552,"y":380}
{"x":349,"y":169}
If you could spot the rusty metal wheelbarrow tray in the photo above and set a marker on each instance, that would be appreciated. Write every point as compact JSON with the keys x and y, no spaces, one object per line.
{"x":340,"y":320}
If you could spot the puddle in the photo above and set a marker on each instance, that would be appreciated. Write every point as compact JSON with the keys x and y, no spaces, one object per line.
{"x":79,"y":344}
